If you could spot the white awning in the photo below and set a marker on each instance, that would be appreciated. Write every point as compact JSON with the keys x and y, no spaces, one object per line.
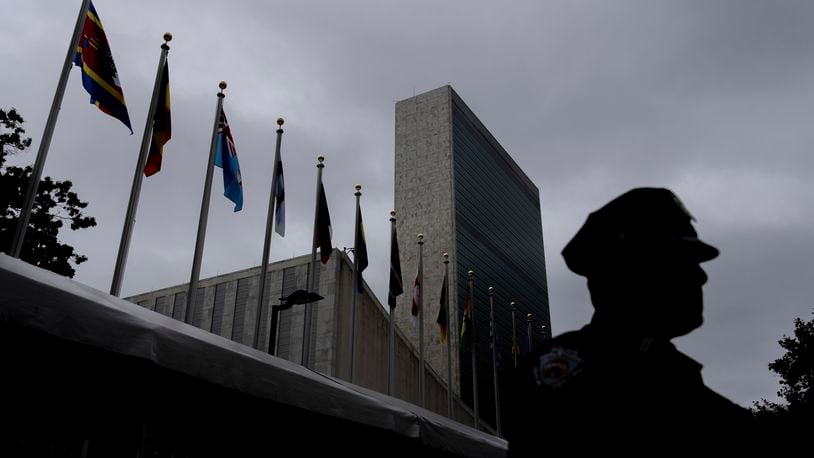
{"x":38,"y":300}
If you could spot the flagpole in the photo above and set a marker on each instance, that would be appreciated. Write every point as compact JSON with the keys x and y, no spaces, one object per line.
{"x":202,"y":219}
{"x":264,"y":266}
{"x":138,"y":176}
{"x":515,"y":347}
{"x":450,"y":411}
{"x":358,"y":195}
{"x":421,"y":388}
{"x":492,"y":332}
{"x":544,"y":331}
{"x":306,"y":331}
{"x":42,"y":152}
{"x":471,"y":275}
{"x":529,"y":319}
{"x":391,"y":344}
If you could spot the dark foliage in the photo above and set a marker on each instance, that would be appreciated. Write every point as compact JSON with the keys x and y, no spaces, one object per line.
{"x":54,"y":206}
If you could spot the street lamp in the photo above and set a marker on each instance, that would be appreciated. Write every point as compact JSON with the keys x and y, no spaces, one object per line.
{"x":299,"y":296}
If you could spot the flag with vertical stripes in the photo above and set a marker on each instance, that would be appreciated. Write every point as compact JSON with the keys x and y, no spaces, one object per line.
{"x":226,"y":158}
{"x":162,"y":125}
{"x":279,"y":202}
{"x":466,"y":326}
{"x":396,"y":283}
{"x":360,"y":250}
{"x":99,"y":75}
{"x":442,"y":311}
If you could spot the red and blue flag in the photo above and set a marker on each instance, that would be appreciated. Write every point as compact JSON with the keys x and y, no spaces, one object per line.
{"x":226,"y":158}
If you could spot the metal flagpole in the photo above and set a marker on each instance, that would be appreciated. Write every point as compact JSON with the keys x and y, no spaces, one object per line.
{"x":492,"y":332}
{"x":515,"y":346}
{"x":544,"y":332}
{"x":391,"y":341}
{"x":202,"y":219}
{"x":264,"y":266}
{"x":312,"y":278}
{"x":42,"y":153}
{"x":529,"y":318}
{"x":471,"y":275}
{"x":421,"y":388}
{"x":138,"y":177}
{"x":358,"y":195}
{"x":450,"y":410}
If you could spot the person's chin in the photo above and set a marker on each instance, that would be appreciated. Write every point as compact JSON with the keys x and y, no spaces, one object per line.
{"x":683,"y":328}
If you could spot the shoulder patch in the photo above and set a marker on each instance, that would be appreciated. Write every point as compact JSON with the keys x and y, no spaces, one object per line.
{"x":557,"y":366}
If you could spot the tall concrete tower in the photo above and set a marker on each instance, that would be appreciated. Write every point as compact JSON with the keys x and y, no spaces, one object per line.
{"x":455,"y":184}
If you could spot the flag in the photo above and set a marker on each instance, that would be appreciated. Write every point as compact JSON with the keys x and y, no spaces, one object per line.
{"x":99,"y":75}
{"x":162,"y":124}
{"x":466,"y":327}
{"x":494,"y":341}
{"x":515,"y":351}
{"x":360,"y":250}
{"x":416,"y":294}
{"x":279,"y":203}
{"x":226,"y":158}
{"x":322,"y":235}
{"x":396,"y":283}
{"x":442,"y":311}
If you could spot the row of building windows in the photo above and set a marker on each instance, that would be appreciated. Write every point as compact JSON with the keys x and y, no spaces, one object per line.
{"x":176,"y":308}
{"x":174,"y":305}
{"x":498,"y":234}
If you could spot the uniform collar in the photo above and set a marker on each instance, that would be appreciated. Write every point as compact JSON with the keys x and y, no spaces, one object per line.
{"x":615,"y":341}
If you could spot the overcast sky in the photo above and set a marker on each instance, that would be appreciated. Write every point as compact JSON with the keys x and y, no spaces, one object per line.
{"x":714,"y":100}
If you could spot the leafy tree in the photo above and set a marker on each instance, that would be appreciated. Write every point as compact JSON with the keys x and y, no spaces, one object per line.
{"x":796,"y":370}
{"x":54,"y":206}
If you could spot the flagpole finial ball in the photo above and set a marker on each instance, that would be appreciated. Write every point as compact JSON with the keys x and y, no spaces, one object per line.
{"x":222,"y":85}
{"x":420,"y":237}
{"x":471,"y":274}
{"x":530,"y":318}
{"x":393,"y":213}
{"x":280,"y":122}
{"x":321,"y":158}
{"x":446,"y":256}
{"x":167,"y":36}
{"x":512,"y":303}
{"x":358,"y":187}
{"x":491,"y":290}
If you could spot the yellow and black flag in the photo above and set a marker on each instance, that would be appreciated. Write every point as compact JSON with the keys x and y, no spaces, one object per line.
{"x":162,"y":125}
{"x":466,"y":328}
{"x":99,"y":75}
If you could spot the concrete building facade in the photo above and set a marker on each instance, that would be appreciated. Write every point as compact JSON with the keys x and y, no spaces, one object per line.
{"x":455,"y":184}
{"x":227,"y":305}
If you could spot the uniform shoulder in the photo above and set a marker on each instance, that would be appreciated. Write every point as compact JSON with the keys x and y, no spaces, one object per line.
{"x":572,"y":340}
{"x":553,"y":363}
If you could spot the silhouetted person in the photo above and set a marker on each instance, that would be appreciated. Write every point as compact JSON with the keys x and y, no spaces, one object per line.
{"x":618,"y":381}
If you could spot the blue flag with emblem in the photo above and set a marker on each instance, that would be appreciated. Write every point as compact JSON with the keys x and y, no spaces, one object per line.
{"x":226,"y":158}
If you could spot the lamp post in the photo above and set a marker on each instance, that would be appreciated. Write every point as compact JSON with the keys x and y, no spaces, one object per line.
{"x":299,"y":296}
